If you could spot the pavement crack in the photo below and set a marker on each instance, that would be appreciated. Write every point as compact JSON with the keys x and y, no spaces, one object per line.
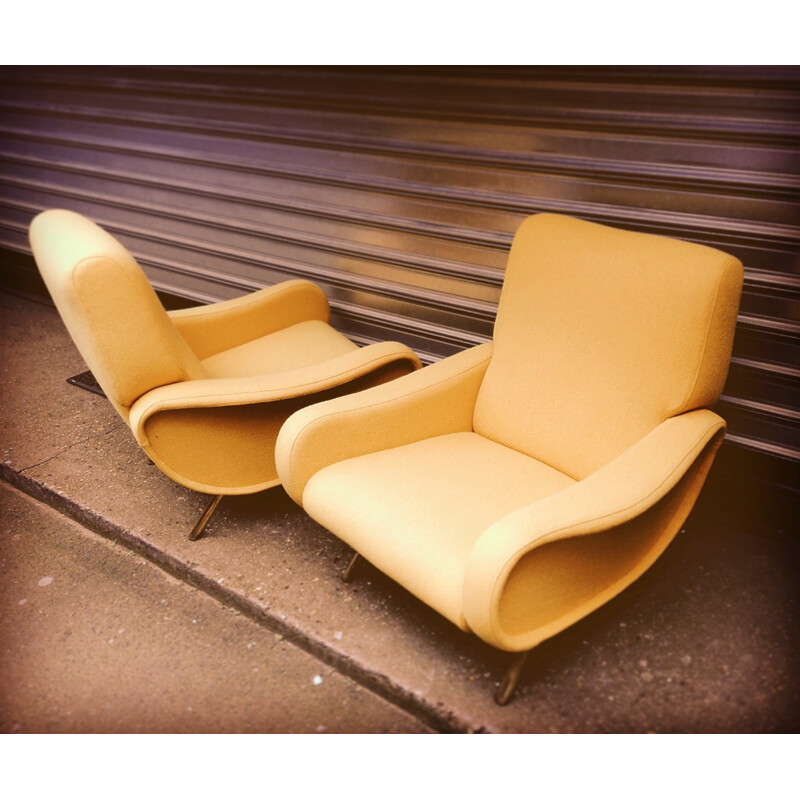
{"x":63,"y":450}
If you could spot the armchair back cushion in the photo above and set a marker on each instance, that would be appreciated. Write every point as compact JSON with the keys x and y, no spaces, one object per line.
{"x":110,"y":309}
{"x":600,"y":336}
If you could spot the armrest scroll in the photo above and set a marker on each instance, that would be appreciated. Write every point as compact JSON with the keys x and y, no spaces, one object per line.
{"x":636,"y":503}
{"x":435,"y":400}
{"x":218,"y":392}
{"x":210,"y":329}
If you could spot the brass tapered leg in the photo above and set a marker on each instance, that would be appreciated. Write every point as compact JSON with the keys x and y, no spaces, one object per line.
{"x":198,"y":529}
{"x":509,"y":682}
{"x":351,"y":570}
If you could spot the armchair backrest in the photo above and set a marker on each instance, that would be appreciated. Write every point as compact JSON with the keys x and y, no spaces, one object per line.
{"x":602,"y":334}
{"x":110,"y":309}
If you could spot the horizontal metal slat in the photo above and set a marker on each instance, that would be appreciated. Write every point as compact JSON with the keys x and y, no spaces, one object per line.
{"x":393,"y":173}
{"x":521,"y":152}
{"x":686,"y":225}
{"x":735,"y":103}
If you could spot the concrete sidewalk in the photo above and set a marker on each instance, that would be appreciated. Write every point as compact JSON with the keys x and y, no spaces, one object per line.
{"x":94,"y":638}
{"x":705,"y":641}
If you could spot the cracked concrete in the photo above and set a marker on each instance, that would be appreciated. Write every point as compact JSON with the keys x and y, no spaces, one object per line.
{"x":120,"y":426}
{"x":705,"y":641}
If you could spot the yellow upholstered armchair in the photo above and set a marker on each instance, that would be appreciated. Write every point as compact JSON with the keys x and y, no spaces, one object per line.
{"x":519,"y":485}
{"x":204,"y":390}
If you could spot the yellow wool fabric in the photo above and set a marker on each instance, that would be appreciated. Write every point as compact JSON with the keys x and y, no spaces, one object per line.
{"x":219,"y":435}
{"x":301,"y":345}
{"x":431,"y":500}
{"x":205,"y":390}
{"x":519,"y":485}
{"x":125,"y":335}
{"x":539,"y":569}
{"x":221,"y":326}
{"x":433,"y":401}
{"x":602,"y":334}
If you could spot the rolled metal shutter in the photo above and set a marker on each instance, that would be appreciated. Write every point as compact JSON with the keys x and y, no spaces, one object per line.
{"x":398,"y":189}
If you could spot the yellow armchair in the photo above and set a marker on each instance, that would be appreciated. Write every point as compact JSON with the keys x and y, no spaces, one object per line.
{"x":519,"y":485}
{"x":204,"y":390}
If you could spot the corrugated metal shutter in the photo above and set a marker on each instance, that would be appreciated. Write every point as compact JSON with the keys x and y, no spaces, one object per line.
{"x":398,"y":190}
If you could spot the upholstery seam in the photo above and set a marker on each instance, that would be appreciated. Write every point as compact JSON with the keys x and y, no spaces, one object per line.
{"x":382,"y":403}
{"x":701,"y":360}
{"x":244,"y":394}
{"x":250,"y":299}
{"x":552,"y":535}
{"x":102,"y":346}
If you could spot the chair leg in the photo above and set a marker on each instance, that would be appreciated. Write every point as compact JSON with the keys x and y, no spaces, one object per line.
{"x":198,"y":529}
{"x":510,"y":679}
{"x":351,"y":570}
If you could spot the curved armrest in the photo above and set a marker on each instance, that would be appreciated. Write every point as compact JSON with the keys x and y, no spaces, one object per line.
{"x":218,"y":435}
{"x":218,"y":392}
{"x":620,"y":494}
{"x":210,"y":329}
{"x":435,"y":400}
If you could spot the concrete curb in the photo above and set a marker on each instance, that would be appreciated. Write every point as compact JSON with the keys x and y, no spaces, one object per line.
{"x":379,"y":684}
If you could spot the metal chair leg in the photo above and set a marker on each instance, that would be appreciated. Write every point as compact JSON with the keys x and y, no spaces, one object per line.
{"x":351,"y":570}
{"x":198,"y":529}
{"x":510,"y":679}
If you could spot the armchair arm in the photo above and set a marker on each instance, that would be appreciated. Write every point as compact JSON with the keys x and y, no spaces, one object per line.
{"x":210,"y":329}
{"x":218,"y":435}
{"x":536,"y":571}
{"x":435,"y":400}
{"x":216,"y":392}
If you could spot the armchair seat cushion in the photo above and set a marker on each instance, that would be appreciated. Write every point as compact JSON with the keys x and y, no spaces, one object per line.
{"x":416,"y":511}
{"x":295,"y":347}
